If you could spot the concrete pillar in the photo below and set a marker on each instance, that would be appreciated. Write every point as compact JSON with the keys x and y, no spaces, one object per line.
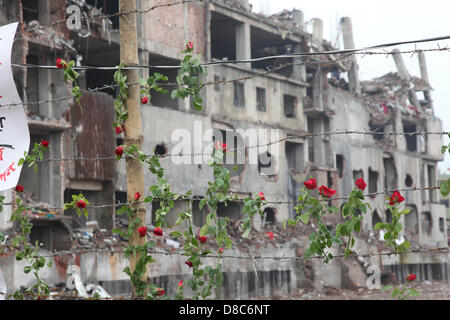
{"x":243,"y":43}
{"x":424,"y":76}
{"x":317,"y":88}
{"x":349,"y":43}
{"x":317,"y":35}
{"x":45,"y":108}
{"x":403,"y":72}
{"x":297,"y":15}
{"x":299,"y":73}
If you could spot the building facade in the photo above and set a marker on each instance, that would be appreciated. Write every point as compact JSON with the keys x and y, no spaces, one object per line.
{"x":300,"y":101}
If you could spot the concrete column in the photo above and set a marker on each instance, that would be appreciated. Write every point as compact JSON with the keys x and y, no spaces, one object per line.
{"x":319,"y":145}
{"x":317,"y":87}
{"x":297,"y":15}
{"x":45,"y":108}
{"x":299,"y":73}
{"x":317,"y":35}
{"x":349,"y":43}
{"x":403,"y":72}
{"x":424,"y":76}
{"x":243,"y":43}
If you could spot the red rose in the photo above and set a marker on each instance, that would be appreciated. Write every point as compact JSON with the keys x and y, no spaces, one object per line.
{"x":137,"y":196}
{"x":144,"y":100}
{"x":19,"y":188}
{"x":261,"y":196}
{"x":45,"y":143}
{"x":202,"y":239}
{"x":159,"y":292}
{"x":360,"y":184}
{"x":60,"y":63}
{"x":220,"y":250}
{"x":326,"y":192}
{"x":396,"y":198}
{"x":270,"y":235}
{"x":310,"y":184}
{"x":411,"y":277}
{"x":190,"y":46}
{"x":180,"y":284}
{"x":158,"y":232}
{"x":81,"y":204}
{"x":142,"y":231}
{"x":189,"y":263}
{"x":221,"y":146}
{"x":119,"y":151}
{"x":119,"y":129}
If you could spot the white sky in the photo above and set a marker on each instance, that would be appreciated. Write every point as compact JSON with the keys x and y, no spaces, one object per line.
{"x":385,"y":21}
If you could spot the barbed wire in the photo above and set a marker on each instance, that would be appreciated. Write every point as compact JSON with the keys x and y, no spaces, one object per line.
{"x":199,"y":198}
{"x":290,"y":137}
{"x":111,"y":250}
{"x":208,"y":83}
{"x":225,"y":62}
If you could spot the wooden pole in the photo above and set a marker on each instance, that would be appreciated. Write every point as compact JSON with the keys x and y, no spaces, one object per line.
{"x":133,"y":125}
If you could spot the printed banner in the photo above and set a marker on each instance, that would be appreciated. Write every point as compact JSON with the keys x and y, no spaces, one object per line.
{"x":14,"y":133}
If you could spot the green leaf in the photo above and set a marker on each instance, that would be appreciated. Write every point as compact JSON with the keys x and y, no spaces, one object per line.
{"x":176,"y":234}
{"x":444,"y":188}
{"x":246,"y":233}
{"x":206,"y":252}
{"x":204,"y":230}
{"x":380,"y":225}
{"x":385,"y":288}
{"x":304,"y":218}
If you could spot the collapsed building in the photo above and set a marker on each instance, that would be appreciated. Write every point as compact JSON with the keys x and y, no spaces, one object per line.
{"x":301,"y":100}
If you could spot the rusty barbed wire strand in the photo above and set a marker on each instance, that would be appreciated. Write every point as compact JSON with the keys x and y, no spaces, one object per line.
{"x":224,"y":81}
{"x":434,"y":250}
{"x":225,"y":62}
{"x":240,"y":257}
{"x":197,"y":198}
{"x":290,"y":137}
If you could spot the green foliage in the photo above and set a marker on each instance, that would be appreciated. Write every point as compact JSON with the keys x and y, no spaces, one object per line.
{"x":152,"y":83}
{"x":77,"y":204}
{"x":308,"y":210}
{"x":392,"y":229}
{"x":119,"y":103}
{"x":352,"y":221}
{"x":71,"y":76}
{"x":189,"y":79}
{"x":401,"y":293}
{"x":444,"y":187}
{"x":37,"y":154}
{"x":35,"y":262}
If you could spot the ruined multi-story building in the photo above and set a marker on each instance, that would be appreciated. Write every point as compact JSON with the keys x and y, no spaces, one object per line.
{"x":301,"y":99}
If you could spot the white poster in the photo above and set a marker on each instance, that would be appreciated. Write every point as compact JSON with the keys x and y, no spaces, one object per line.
{"x":14,"y":133}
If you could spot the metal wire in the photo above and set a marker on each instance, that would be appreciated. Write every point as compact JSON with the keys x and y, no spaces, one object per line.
{"x":197,"y":198}
{"x":347,"y":52}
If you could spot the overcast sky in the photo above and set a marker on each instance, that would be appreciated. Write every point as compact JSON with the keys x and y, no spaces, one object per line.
{"x":385,"y":21}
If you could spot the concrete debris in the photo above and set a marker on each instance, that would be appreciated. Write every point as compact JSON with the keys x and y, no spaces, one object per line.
{"x":94,"y":290}
{"x":74,"y":281}
{"x":89,"y":291}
